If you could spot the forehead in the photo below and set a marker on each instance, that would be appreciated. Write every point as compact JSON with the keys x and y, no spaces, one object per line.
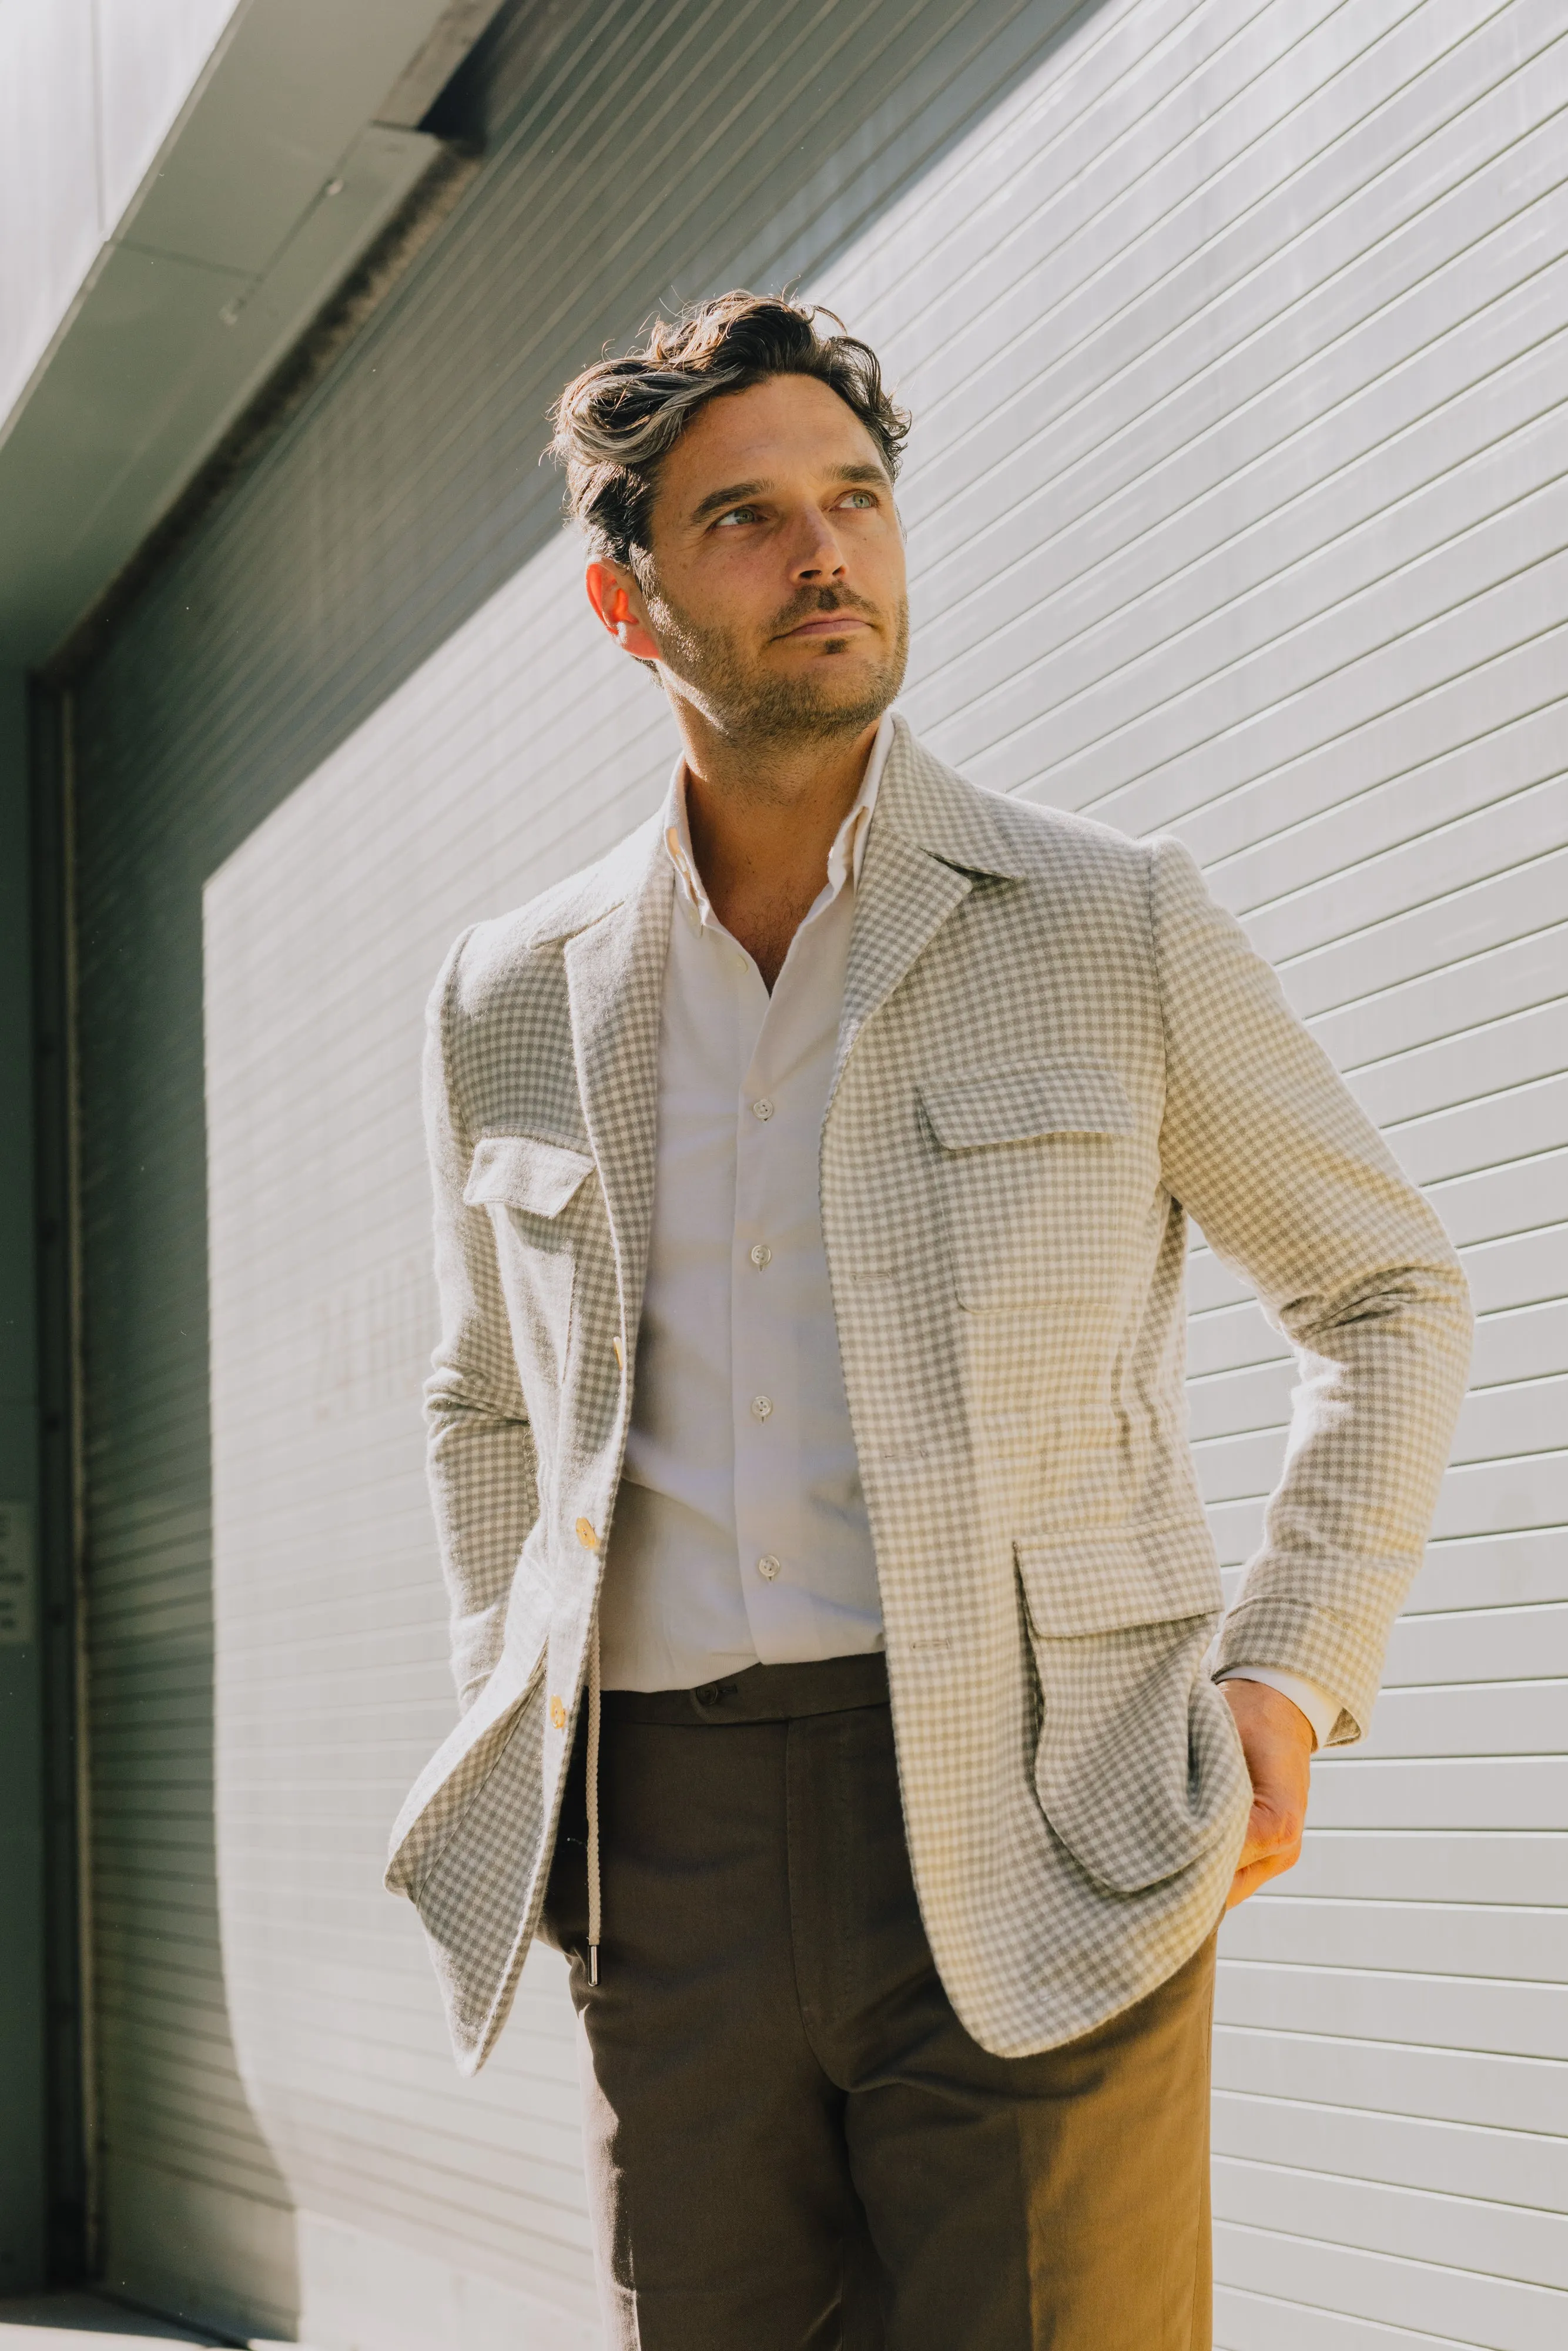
{"x":789,"y":425}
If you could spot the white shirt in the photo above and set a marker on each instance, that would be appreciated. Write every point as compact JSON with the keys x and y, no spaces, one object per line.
{"x":740,"y":1534}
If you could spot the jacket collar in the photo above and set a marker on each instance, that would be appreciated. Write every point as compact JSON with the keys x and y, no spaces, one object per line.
{"x":920,"y":798}
{"x":939,"y":811}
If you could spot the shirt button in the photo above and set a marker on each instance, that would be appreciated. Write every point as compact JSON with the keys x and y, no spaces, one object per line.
{"x":760,"y":1407}
{"x":767,"y":1567}
{"x":760,"y":1253}
{"x":762,"y":1109}
{"x":585,"y":1534}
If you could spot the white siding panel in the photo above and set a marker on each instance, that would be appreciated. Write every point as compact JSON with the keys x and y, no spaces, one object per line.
{"x":1467,"y":2088}
{"x":1411,"y":1938}
{"x":1474,"y":1644}
{"x":1501,"y":2018}
{"x":1515,"y":1198}
{"x":1531,"y":1342}
{"x":1517,"y":827}
{"x":1419,"y":2296}
{"x":1443,"y":924}
{"x":1258,"y":2322}
{"x":1466,"y":2232}
{"x":1512,"y":1569}
{"x":1522,"y":2168}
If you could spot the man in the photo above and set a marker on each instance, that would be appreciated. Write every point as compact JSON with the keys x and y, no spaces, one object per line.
{"x":812,"y":1179}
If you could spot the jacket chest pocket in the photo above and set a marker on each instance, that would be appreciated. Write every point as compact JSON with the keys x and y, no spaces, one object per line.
{"x":528,"y":1185}
{"x":1038,"y":1177}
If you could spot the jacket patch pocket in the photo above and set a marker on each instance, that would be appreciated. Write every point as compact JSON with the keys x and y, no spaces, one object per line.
{"x":1039,"y":1182}
{"x":1138,"y":1766}
{"x":527,"y":1184}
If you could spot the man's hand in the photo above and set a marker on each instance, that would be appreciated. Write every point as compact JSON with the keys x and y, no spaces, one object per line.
{"x":1276,"y":1740}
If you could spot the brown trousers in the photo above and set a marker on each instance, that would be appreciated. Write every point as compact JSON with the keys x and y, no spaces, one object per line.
{"x":793,"y":2144}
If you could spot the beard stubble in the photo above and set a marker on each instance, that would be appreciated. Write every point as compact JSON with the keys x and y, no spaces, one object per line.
{"x":748,"y":707}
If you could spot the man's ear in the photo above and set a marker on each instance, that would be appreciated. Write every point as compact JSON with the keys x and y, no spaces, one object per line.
{"x":620,"y":607}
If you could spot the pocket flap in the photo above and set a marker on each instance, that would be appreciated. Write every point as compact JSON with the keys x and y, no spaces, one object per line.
{"x":1016,"y":1105}
{"x":518,"y":1171}
{"x":1079,"y":1582}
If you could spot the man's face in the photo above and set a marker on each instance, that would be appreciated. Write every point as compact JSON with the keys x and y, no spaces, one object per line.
{"x":774,"y":596}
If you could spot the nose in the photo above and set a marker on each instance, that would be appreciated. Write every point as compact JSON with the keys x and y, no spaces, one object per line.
{"x":818,"y":556}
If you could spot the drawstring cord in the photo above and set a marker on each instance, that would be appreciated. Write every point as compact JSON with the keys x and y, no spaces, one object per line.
{"x":593,"y":1711}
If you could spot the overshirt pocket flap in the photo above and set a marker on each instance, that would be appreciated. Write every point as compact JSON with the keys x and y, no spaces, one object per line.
{"x":520,"y":1171}
{"x":1082,"y":1582}
{"x":1016,"y":1105}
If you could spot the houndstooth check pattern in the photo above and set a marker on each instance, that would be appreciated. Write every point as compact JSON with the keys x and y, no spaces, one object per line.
{"x":1053,"y":1046}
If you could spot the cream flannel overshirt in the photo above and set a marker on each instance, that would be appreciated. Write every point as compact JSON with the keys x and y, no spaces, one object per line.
{"x":1053,"y":1046}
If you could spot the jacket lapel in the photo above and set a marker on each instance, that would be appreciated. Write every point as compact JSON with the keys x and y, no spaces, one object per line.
{"x":615,"y":974}
{"x":920,"y":857}
{"x":905,"y":897}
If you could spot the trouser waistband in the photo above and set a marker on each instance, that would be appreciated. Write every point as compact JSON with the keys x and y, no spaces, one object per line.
{"x":759,"y":1694}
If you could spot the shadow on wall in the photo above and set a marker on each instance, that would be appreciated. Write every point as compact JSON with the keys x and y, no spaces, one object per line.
{"x":632,"y":154}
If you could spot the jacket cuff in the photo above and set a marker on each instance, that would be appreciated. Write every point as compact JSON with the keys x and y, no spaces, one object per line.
{"x":1342,"y":1653}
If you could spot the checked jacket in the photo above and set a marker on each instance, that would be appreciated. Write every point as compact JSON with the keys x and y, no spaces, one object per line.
{"x":1054,"y":1048}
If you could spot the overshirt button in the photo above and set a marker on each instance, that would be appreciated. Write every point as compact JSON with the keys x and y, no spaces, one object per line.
{"x":620,"y":1346}
{"x":761,"y":1406}
{"x":586,"y":1536}
{"x":762,"y":1109}
{"x":767,"y":1567}
{"x":557,"y":1714}
{"x":760,"y":1253}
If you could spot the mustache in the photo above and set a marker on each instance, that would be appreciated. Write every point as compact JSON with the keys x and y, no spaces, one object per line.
{"x":810,"y":601}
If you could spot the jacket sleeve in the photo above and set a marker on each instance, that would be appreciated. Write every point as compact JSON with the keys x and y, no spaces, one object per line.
{"x":1296,"y":1191}
{"x":480,"y":1450}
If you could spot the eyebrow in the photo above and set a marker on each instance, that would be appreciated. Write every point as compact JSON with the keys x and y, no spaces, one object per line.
{"x":736,"y":492}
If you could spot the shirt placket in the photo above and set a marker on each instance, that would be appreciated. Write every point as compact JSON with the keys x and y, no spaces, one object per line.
{"x":758,"y":1341}
{"x":773,"y":1158}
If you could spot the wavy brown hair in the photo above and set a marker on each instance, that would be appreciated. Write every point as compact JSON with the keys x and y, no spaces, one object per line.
{"x":616,"y":421}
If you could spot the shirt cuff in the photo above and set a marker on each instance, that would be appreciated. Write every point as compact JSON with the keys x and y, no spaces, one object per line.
{"x":1322,"y":1710}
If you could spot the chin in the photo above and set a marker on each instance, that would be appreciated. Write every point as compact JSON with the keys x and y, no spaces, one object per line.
{"x":814,"y":712}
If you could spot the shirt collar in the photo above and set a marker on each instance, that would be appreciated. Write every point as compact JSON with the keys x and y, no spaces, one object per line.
{"x":845,"y":858}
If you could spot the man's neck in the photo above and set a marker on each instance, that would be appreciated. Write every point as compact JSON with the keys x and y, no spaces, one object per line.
{"x":762,"y":822}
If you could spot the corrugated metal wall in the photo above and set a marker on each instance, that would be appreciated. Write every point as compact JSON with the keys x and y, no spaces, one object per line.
{"x":1233,"y":333}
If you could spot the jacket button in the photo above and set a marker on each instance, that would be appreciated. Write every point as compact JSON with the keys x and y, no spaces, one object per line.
{"x":586,"y":1536}
{"x":557,"y":1714}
